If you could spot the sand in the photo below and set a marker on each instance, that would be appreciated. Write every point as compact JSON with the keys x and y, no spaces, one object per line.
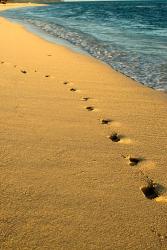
{"x":18,"y":5}
{"x":64,"y":183}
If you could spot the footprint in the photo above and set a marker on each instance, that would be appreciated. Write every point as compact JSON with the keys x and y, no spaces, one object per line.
{"x":23,"y":71}
{"x":133,"y":161}
{"x":105,"y":121}
{"x":90,"y":108}
{"x":114,"y":137}
{"x":152,"y":190}
{"x":73,"y":90}
{"x":85,"y":99}
{"x":65,"y":83}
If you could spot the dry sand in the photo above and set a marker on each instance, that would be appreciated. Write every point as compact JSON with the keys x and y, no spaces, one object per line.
{"x":18,"y":5}
{"x":64,"y":183}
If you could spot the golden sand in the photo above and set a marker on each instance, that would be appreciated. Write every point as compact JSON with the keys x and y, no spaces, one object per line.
{"x":79,"y":144}
{"x":18,"y":5}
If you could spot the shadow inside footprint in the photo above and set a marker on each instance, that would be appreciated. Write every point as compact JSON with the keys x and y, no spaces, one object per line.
{"x":24,"y":71}
{"x":47,"y":75}
{"x":153,"y":190}
{"x":65,"y":83}
{"x":105,"y":121}
{"x":73,"y":90}
{"x":114,"y":137}
{"x":134,"y":161}
{"x":150,"y":192}
{"x":90,"y":108}
{"x":85,"y":99}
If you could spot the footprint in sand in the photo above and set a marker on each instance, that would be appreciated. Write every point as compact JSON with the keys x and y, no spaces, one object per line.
{"x":153,"y":190}
{"x":133,"y":161}
{"x":105,"y":121}
{"x":65,"y":83}
{"x":150,"y":191}
{"x":119,"y":138}
{"x":73,"y":89}
{"x":85,"y":99}
{"x":90,"y":108}
{"x":114,"y":137}
{"x":23,"y":71}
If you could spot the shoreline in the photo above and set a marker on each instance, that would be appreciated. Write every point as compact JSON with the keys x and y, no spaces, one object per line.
{"x":66,"y":43}
{"x":82,"y":151}
{"x":7,"y":6}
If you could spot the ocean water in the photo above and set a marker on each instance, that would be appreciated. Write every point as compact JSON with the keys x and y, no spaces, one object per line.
{"x":131,"y":36}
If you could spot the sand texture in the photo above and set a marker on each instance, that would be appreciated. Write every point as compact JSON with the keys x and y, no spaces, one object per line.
{"x":16,"y":5}
{"x":79,"y":144}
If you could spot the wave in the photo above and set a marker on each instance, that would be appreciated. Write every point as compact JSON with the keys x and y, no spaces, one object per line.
{"x":133,"y":47}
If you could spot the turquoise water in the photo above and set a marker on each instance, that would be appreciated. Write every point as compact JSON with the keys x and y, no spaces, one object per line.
{"x":131,"y":36}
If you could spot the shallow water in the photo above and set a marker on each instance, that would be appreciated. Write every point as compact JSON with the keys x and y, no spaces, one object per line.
{"x":131,"y":36}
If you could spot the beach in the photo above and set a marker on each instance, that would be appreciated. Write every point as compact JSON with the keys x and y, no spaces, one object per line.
{"x":82,"y":150}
